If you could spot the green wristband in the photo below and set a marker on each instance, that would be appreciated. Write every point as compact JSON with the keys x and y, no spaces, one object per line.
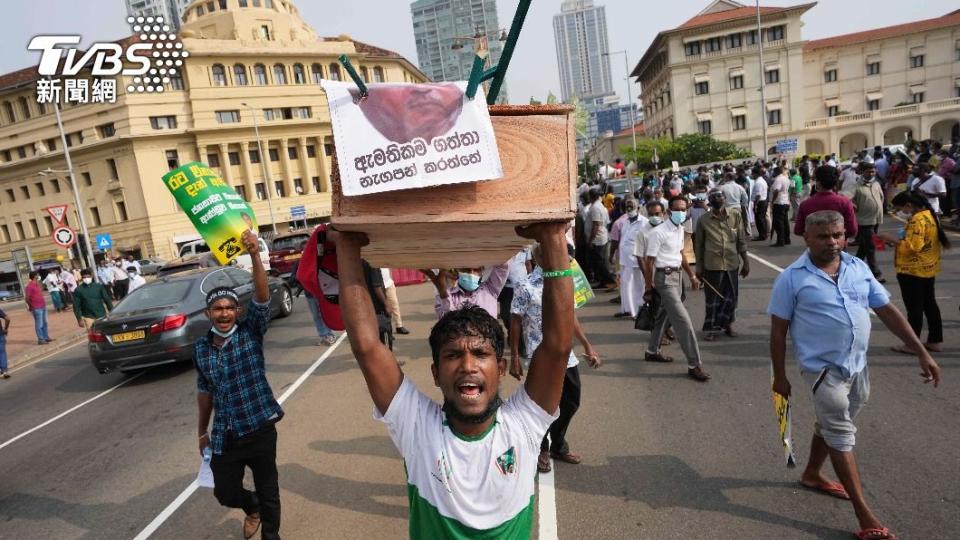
{"x":558,"y":273}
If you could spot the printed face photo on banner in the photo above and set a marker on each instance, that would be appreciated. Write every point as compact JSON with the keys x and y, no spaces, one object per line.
{"x":402,"y":113}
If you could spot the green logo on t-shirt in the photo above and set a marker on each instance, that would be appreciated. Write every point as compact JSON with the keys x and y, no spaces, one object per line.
{"x":507,"y":462}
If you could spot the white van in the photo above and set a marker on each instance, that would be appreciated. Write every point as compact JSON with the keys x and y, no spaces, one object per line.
{"x":199,"y":247}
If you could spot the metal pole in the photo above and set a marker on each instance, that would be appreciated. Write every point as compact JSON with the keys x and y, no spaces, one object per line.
{"x":91,"y":264}
{"x":763,"y":93}
{"x":263,"y":167}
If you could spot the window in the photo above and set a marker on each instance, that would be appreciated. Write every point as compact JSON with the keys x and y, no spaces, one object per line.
{"x":278,"y":187}
{"x":292,"y":152}
{"x":106,"y":130}
{"x":775,"y":33}
{"x":213,"y":160}
{"x":378,"y":74}
{"x":7,"y":157}
{"x":256,"y":3}
{"x":302,"y":112}
{"x":334,"y":72}
{"x":173,"y":160}
{"x":112,"y":163}
{"x":42,"y":107}
{"x":210,"y":7}
{"x":917,"y":98}
{"x":240,"y":74}
{"x":751,"y":37}
{"x":298,"y":186}
{"x":20,"y":233}
{"x":274,"y":154}
{"x":265,"y":32}
{"x":739,"y":122}
{"x":773,"y":117}
{"x":873,"y":68}
{"x":22,"y":150}
{"x":269,"y":114}
{"x":8,"y":109}
{"x":25,"y":107}
{"x":223,"y":4}
{"x":95,"y":216}
{"x":692,"y":48}
{"x":773,"y":76}
{"x":34,"y":227}
{"x":279,"y":74}
{"x":228,"y":117}
{"x":6,"y":233}
{"x":734,"y":41}
{"x":364,"y":74}
{"x":254,"y":156}
{"x":327,"y":148}
{"x":243,"y":3}
{"x":736,"y":82}
{"x":311,"y":150}
{"x":49,"y":223}
{"x":299,"y":75}
{"x":163,"y":122}
{"x":87,"y":179}
{"x":200,"y":11}
{"x":317,"y":71}
{"x":56,"y":185}
{"x":79,"y":135}
{"x":176,"y":81}
{"x":242,"y":191}
{"x":261,"y":191}
{"x":122,"y":211}
{"x":873,"y":104}
{"x":40,"y":189}
{"x":704,"y":127}
{"x":916,"y":61}
{"x":701,"y":88}
{"x":219,"y":75}
{"x":11,"y":195}
{"x":260,"y":75}
{"x":316,"y":184}
{"x":713,"y":44}
{"x":830,"y":75}
{"x":26,"y":191}
{"x":286,"y":113}
{"x":833,"y":110}
{"x":234,"y":158}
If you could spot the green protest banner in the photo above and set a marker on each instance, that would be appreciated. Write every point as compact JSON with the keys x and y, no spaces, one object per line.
{"x":218,"y":213}
{"x":581,"y":286}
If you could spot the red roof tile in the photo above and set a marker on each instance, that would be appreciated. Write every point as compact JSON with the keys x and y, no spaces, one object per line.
{"x":950,"y":19}
{"x":629,"y":131}
{"x":728,"y":15}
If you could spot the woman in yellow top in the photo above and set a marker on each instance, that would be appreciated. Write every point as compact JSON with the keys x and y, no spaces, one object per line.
{"x":917,"y":264}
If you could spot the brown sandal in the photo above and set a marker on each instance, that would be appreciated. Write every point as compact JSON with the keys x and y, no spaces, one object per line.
{"x":543,"y":462}
{"x":573,"y":459}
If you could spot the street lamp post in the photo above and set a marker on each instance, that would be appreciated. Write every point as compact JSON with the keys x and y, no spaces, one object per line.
{"x":76,"y":192}
{"x":633,"y":118}
{"x":263,"y":167}
{"x":763,"y":80}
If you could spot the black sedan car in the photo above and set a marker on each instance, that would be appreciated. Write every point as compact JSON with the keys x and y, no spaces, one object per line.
{"x":160,"y":322}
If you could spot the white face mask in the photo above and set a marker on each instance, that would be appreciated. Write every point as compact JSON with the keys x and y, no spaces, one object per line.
{"x":87,"y":281}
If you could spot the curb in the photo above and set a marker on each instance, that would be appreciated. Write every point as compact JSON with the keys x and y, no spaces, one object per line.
{"x":61,"y":344}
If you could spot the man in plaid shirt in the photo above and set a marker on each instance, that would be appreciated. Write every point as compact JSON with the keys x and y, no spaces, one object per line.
{"x":232,"y":383}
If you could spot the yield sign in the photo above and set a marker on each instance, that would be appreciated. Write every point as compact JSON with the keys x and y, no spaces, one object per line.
{"x":57,"y":212}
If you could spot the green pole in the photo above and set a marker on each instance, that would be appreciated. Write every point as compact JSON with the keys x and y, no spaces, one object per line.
{"x":507,"y":54}
{"x":354,"y":75}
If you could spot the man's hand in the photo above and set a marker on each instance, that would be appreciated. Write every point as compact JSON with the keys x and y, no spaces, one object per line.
{"x":347,"y":238}
{"x":516,"y":367}
{"x":204,"y":442}
{"x":930,"y":371}
{"x":541,"y":231}
{"x":781,"y":386}
{"x":249,"y":241}
{"x":80,"y":324}
{"x":745,"y":269}
{"x":593,"y":358}
{"x":695,"y":283}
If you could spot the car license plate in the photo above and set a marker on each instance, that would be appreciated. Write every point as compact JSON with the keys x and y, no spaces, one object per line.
{"x":128,"y":336}
{"x":292,"y":257}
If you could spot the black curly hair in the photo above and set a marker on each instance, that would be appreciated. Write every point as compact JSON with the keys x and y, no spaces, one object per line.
{"x":470,"y":320}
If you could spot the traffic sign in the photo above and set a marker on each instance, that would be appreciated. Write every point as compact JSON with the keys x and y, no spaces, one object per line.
{"x":787,"y":146}
{"x":104,"y":242}
{"x":298,"y":212}
{"x":57,"y":212}
{"x":64,"y":237}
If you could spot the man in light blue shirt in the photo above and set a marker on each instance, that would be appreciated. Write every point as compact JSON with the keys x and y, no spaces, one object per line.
{"x":824,"y":300}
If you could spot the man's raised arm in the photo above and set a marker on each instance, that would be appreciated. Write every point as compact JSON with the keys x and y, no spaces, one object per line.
{"x":545,"y":378}
{"x":377,"y":363}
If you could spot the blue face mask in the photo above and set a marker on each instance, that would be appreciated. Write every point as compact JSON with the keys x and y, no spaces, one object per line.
{"x":678,"y":216}
{"x":656,"y":220}
{"x":468,"y":282}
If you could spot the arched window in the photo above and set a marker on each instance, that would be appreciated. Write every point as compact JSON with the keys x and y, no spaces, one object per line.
{"x":24,"y":107}
{"x":317,"y":71}
{"x":378,"y":74}
{"x":8,"y":109}
{"x":299,"y":75}
{"x":279,"y":74}
{"x":365,"y":74}
{"x":219,"y":75}
{"x":260,"y":75}
{"x":240,"y":74}
{"x":334,"y":72}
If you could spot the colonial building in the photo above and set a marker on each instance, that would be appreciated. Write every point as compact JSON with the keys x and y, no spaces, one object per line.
{"x":839,"y":94}
{"x":247,"y":59}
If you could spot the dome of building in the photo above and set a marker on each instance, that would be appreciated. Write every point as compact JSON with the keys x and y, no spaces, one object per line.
{"x":257,"y":20}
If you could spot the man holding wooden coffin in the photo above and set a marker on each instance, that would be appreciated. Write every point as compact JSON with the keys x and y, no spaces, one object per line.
{"x":470,"y":462}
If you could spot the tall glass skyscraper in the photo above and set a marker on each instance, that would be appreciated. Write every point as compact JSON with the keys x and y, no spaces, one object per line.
{"x":580,"y":32}
{"x":170,"y":10}
{"x":436,"y":26}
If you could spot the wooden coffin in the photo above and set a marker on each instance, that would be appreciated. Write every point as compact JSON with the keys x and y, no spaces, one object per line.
{"x":472,"y":224}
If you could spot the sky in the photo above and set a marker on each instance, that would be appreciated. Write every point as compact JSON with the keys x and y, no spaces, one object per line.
{"x":632,"y":26}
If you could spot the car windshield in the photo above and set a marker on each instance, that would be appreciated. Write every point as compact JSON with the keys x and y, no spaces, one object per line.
{"x":289,"y":242}
{"x":153,"y":295}
{"x":145,"y":261}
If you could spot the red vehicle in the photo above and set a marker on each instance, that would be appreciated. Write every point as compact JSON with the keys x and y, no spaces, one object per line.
{"x":286,"y":250}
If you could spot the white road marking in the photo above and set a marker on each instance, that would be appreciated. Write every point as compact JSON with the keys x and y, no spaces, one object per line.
{"x":188,"y":491}
{"x":547,"y":507}
{"x":68,"y":411}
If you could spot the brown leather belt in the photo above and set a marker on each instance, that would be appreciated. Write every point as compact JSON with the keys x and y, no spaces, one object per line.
{"x":669,"y":269}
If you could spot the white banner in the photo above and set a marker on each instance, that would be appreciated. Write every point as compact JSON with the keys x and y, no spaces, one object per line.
{"x":405,"y":136}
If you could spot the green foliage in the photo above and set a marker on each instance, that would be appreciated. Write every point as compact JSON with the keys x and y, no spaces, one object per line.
{"x":688,"y":149}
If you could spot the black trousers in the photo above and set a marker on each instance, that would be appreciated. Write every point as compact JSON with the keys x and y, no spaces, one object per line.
{"x":556,"y":438}
{"x":760,"y":217}
{"x":866,"y":250}
{"x":120,"y":287}
{"x":257,"y":450}
{"x":781,"y":224}
{"x":601,"y":266}
{"x":919,"y":297}
{"x":504,"y":301}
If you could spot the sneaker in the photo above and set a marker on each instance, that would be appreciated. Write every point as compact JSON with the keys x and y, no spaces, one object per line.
{"x":402,"y":330}
{"x":329,"y":339}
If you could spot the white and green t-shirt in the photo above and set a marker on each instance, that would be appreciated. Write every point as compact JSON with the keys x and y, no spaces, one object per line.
{"x":468,"y":487}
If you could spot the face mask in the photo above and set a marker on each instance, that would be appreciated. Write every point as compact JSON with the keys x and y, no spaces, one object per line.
{"x":468,"y":282}
{"x":700,"y":196}
{"x":867,"y":179}
{"x":87,"y":281}
{"x":678,"y":216}
{"x":226,"y":334}
{"x":904,"y":215}
{"x":631,"y":213}
{"x":656,"y":220}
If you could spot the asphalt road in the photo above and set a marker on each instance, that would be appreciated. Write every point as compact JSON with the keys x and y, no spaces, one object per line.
{"x":664,"y":457}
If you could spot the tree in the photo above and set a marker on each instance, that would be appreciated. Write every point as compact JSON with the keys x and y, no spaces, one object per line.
{"x":688,"y":149}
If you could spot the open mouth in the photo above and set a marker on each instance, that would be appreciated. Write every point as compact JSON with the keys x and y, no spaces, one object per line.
{"x":470,"y":391}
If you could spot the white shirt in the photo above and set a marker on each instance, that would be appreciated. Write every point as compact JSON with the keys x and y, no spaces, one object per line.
{"x":640,"y":245}
{"x":665,"y":242}
{"x":782,"y":186}
{"x":136,"y":282}
{"x":628,"y":240}
{"x":481,"y":483}
{"x":69,"y":282}
{"x":759,"y":190}
{"x":118,"y":273}
{"x":599,"y":213}
{"x":933,"y":184}
{"x":387,"y":278}
{"x":517,"y":268}
{"x":127,"y":264}
{"x":53,"y":282}
{"x":848,"y":181}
